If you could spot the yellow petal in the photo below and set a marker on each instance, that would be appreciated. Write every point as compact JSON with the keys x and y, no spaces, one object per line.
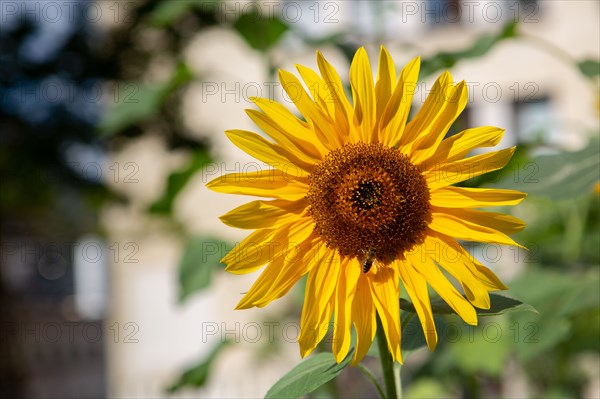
{"x":452,"y":261}
{"x":319,"y":299}
{"x":454,"y":227}
{"x":459,"y":145}
{"x":363,"y":316}
{"x":385,"y":290}
{"x":343,"y":109}
{"x":499,"y":221}
{"x":446,"y":174}
{"x":363,"y":93}
{"x":321,"y":92}
{"x":271,"y":183}
{"x":416,"y":286}
{"x":296,"y":265}
{"x":345,"y":290}
{"x":285,"y":269}
{"x":261,"y":247}
{"x":317,"y":88}
{"x":481,"y":273}
{"x":422,"y":122}
{"x":462,"y":197}
{"x":264,"y":214}
{"x":428,"y":140}
{"x":393,"y":118}
{"x":251,"y":253}
{"x":318,"y":120}
{"x":488,"y":278}
{"x":386,"y":80}
{"x":331,"y":76}
{"x":422,"y":263}
{"x":271,"y":154}
{"x":287,"y":130}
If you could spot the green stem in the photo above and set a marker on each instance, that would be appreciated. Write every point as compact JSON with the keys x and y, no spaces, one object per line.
{"x":390,"y":376}
{"x":367,"y":373}
{"x":398,"y":379}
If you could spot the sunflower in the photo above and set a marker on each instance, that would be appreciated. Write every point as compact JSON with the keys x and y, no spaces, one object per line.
{"x":361,"y":201}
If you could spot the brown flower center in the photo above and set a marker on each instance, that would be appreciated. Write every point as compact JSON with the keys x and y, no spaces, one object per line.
{"x":368,"y":199}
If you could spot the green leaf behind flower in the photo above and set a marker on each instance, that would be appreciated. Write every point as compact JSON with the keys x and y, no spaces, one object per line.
{"x":177,"y":181}
{"x":499,"y":305}
{"x":135,"y":102}
{"x":560,"y":300}
{"x":447,"y":59}
{"x":561,"y":176}
{"x":413,"y":337}
{"x":590,"y":68}
{"x":167,"y":12}
{"x":197,"y":375}
{"x":259,"y":31}
{"x":200,"y":260}
{"x":309,"y":375}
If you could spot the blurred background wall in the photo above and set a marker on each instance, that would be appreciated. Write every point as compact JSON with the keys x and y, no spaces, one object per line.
{"x":111,"y":120}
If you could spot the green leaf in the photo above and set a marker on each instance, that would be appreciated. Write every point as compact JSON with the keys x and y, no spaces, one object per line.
{"x":169,"y":11}
{"x":136,"y":102}
{"x":309,"y":375}
{"x":427,"y":388}
{"x":200,"y":260}
{"x":260,"y":33}
{"x":483,"y":349}
{"x":499,"y":305}
{"x":562,"y":176}
{"x":590,"y":68}
{"x":413,"y":337}
{"x":447,"y":59}
{"x":197,"y":375}
{"x":177,"y":181}
{"x":559,"y":297}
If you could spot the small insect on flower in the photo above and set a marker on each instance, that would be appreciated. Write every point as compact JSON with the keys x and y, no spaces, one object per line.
{"x":370,"y":203}
{"x":368,"y":263}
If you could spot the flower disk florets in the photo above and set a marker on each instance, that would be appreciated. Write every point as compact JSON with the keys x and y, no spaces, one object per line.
{"x":368,"y":197}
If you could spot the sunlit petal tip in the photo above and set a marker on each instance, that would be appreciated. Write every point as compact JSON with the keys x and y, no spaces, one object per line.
{"x":415,"y":62}
{"x":254,"y":99}
{"x":212,"y":185}
{"x":398,"y":355}
{"x":282,"y":73}
{"x":432,"y":342}
{"x":225,"y":219}
{"x":483,"y":303}
{"x":383,"y":50}
{"x":231,"y":269}
{"x":242,"y":305}
{"x":321,"y":58}
{"x":445,"y":79}
{"x":305,"y":351}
